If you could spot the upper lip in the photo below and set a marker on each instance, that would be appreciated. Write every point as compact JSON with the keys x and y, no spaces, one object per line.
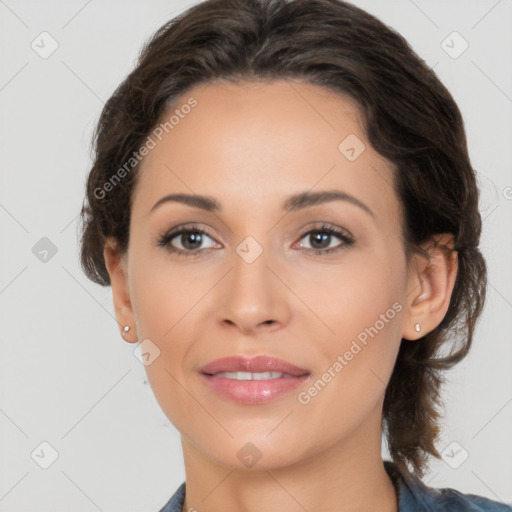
{"x":253,"y":365}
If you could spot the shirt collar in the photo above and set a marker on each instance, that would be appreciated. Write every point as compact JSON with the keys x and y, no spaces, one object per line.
{"x":412,"y":493}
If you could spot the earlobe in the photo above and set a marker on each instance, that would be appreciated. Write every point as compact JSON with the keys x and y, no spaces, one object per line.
{"x":117,"y":269}
{"x":124,"y":332}
{"x":431,"y":282}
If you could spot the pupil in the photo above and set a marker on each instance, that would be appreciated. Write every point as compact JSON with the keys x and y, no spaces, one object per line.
{"x":195,"y":237}
{"x":320,"y":236}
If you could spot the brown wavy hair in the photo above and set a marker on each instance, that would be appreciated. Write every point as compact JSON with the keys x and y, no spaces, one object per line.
{"x":409,"y":117}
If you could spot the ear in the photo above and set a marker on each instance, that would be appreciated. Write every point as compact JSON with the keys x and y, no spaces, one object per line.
{"x":118,"y":270}
{"x":430,"y":285}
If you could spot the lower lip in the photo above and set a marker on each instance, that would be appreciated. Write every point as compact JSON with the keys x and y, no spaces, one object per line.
{"x":253,"y":391}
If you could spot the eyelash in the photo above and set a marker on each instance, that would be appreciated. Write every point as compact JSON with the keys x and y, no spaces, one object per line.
{"x":165,"y":239}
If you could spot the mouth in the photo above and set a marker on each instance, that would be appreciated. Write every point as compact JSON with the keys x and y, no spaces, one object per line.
{"x":253,"y":375}
{"x":252,"y":381}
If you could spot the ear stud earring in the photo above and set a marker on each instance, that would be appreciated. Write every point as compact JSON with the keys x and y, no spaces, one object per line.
{"x":126,"y":328}
{"x":417,"y":327}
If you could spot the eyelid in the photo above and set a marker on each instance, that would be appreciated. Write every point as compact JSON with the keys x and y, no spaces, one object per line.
{"x":163,"y":239}
{"x":327,"y":226}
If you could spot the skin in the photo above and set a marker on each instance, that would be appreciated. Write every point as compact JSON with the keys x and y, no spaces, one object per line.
{"x":251,"y":146}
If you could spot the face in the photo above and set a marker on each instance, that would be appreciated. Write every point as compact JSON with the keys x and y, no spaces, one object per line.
{"x":320,"y":284}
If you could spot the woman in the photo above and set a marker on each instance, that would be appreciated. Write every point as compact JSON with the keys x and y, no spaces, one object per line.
{"x":283,"y":203}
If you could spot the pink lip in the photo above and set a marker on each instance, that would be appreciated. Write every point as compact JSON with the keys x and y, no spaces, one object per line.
{"x":253,"y":391}
{"x":255,"y":364}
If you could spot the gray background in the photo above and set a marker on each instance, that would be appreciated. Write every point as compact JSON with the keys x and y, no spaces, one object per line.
{"x":66,"y":376}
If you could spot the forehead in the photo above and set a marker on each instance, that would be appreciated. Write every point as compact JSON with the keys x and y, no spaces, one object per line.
{"x":253,"y":143}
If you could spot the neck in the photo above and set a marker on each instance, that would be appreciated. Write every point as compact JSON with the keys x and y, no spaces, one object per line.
{"x":347,"y":477}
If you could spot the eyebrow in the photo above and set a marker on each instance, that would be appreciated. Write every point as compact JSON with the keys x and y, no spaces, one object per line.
{"x":293,"y":203}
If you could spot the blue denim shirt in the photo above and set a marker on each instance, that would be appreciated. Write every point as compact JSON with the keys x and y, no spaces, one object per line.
{"x":413,"y":496}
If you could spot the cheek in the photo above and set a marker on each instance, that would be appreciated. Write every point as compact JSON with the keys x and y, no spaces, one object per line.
{"x":348,"y":389}
{"x":163,"y":295}
{"x":351,"y":295}
{"x":362,"y":304}
{"x":163,"y":300}
{"x":166,"y":300}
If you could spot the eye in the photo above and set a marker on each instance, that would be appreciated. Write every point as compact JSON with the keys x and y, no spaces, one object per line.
{"x":322,"y":236}
{"x":189,"y":237}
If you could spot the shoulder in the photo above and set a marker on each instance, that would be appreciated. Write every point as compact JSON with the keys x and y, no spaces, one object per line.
{"x":175,"y":504}
{"x":454,"y":501}
{"x":415,"y":496}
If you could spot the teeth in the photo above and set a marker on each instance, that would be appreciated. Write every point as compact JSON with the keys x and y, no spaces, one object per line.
{"x":251,"y":376}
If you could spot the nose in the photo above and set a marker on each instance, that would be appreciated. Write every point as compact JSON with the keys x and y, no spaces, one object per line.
{"x":252,"y":297}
